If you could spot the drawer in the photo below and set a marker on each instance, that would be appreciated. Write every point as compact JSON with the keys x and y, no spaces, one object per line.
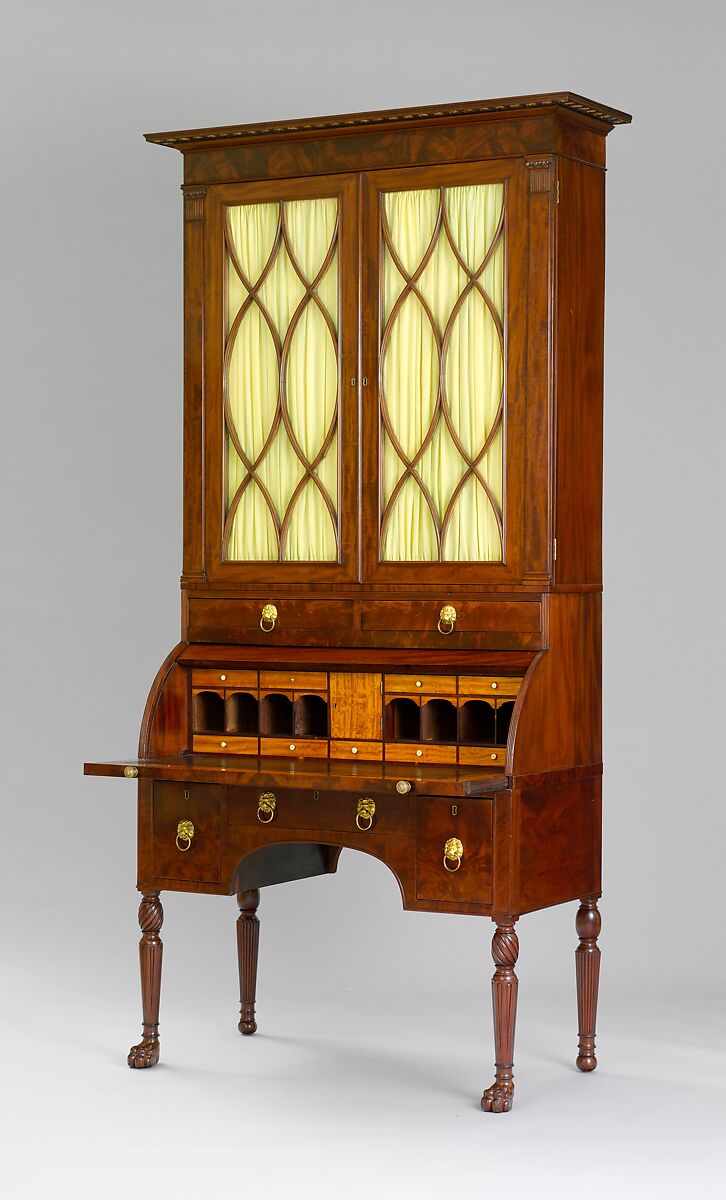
{"x":412,"y":685}
{"x":471,"y":821}
{"x":292,"y":747}
{"x":419,"y":753}
{"x":472,"y":616}
{"x":298,"y":808}
{"x":223,"y":743}
{"x":489,"y":685}
{"x":297,"y":681}
{"x":217,"y":679}
{"x":298,"y":622}
{"x":196,"y":802}
{"x":482,"y":756}
{"x":357,"y":750}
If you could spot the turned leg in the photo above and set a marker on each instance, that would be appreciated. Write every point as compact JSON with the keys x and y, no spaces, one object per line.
{"x":248,"y":938}
{"x":505,"y":950}
{"x":587,"y":970}
{"x":151,"y":917}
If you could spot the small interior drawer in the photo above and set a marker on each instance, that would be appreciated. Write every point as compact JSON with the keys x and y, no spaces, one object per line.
{"x":223,"y":743}
{"x":412,"y":685}
{"x":357,"y":750}
{"x":489,"y":685}
{"x":203,"y":677}
{"x":409,"y":752}
{"x":293,"y":747}
{"x":471,"y":821}
{"x":196,"y":802}
{"x":482,"y":756}
{"x":296,"y":681}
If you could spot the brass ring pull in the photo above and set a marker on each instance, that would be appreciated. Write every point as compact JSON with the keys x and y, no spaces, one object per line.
{"x":447,"y":617}
{"x":365,"y":813}
{"x":453,"y":853}
{"x":266,"y":807}
{"x":184,"y":833}
{"x":268,"y":618}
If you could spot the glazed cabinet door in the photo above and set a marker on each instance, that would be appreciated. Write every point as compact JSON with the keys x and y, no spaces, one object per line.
{"x":281,"y":330}
{"x":445,"y":285}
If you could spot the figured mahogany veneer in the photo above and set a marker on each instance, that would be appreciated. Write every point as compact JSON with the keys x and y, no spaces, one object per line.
{"x":464,"y":752}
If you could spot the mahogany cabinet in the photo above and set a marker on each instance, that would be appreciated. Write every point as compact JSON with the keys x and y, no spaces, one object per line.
{"x":390,"y":635}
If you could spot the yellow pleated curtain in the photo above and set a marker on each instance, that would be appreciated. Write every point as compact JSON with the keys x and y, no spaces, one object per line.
{"x":442,"y":375}
{"x":281,"y":382}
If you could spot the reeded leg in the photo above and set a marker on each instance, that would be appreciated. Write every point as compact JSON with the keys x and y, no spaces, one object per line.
{"x":587,"y":970}
{"x":248,"y":938}
{"x":505,"y":951}
{"x":151,"y":917}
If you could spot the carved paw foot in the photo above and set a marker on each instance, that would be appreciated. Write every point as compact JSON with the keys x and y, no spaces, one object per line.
{"x":146,"y":1054}
{"x":247,"y":1023}
{"x":587,"y":1062}
{"x":498,"y":1098}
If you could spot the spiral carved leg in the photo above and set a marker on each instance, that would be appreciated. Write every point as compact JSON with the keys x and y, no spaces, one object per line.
{"x":505,"y":951}
{"x":587,"y":970}
{"x":151,"y":917}
{"x":248,"y":938}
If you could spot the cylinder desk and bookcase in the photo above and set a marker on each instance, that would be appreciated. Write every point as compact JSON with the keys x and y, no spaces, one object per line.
{"x":393,"y":350}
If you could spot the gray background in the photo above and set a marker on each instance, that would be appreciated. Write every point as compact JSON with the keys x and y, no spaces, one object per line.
{"x":374,"y":1024}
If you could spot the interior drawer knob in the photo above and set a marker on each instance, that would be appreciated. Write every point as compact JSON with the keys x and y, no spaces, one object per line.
{"x":266,"y":807}
{"x":184,"y":833}
{"x":453,"y":854}
{"x":365,"y":813}
{"x":268,"y":618}
{"x":447,"y":619}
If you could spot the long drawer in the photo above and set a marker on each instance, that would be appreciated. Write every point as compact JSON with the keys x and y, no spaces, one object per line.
{"x":293,"y":808}
{"x":479,"y":623}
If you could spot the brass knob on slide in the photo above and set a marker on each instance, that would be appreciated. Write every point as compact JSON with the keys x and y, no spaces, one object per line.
{"x":184,"y":833}
{"x":266,"y":807}
{"x":365,"y":813}
{"x":447,"y":619}
{"x":130,"y":772}
{"x":403,"y":786}
{"x":453,"y":854}
{"x":268,"y":617}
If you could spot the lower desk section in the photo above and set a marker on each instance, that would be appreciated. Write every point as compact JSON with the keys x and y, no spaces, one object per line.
{"x":467,"y":841}
{"x":199,"y":837}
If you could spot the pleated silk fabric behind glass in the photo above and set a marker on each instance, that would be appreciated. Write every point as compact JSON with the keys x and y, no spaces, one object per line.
{"x":442,"y":352}
{"x":281,"y":382}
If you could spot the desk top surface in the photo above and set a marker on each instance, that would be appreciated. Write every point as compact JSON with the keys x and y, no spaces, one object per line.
{"x":329,"y":775}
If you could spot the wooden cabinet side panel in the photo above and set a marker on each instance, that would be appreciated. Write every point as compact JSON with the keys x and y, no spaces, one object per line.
{"x":559,"y":724}
{"x":356,"y":707}
{"x":579,"y":374}
{"x":559,"y":843}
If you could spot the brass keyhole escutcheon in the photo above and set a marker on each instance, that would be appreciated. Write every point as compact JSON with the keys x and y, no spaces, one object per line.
{"x":266,"y":807}
{"x":184,"y":833}
{"x":447,"y":619}
{"x":365,"y":813}
{"x":453,"y":854}
{"x":268,"y":617}
{"x":454,"y":810}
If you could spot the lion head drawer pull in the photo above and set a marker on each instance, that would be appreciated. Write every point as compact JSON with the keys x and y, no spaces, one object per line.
{"x":184,"y":833}
{"x":453,"y":854}
{"x":266,"y":807}
{"x":365,"y":813}
{"x":268,"y":618}
{"x":447,"y":619}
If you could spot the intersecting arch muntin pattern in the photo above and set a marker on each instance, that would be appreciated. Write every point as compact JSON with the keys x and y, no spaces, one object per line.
{"x":442,"y":469}
{"x":281,"y":386}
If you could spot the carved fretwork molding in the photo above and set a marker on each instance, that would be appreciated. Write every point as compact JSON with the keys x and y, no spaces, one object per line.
{"x":540,"y":174}
{"x":194,"y":204}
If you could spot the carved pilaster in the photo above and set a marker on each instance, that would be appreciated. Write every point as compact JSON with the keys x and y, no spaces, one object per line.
{"x":540,"y":174}
{"x":151,"y":919}
{"x":248,"y":939}
{"x":194,"y":204}
{"x":587,"y":970}
{"x":505,"y":951}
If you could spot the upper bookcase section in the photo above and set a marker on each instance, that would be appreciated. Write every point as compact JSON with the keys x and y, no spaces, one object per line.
{"x":553,"y":122}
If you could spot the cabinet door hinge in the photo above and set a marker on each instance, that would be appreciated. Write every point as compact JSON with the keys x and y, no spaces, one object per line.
{"x":554,"y":549}
{"x":557,"y":192}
